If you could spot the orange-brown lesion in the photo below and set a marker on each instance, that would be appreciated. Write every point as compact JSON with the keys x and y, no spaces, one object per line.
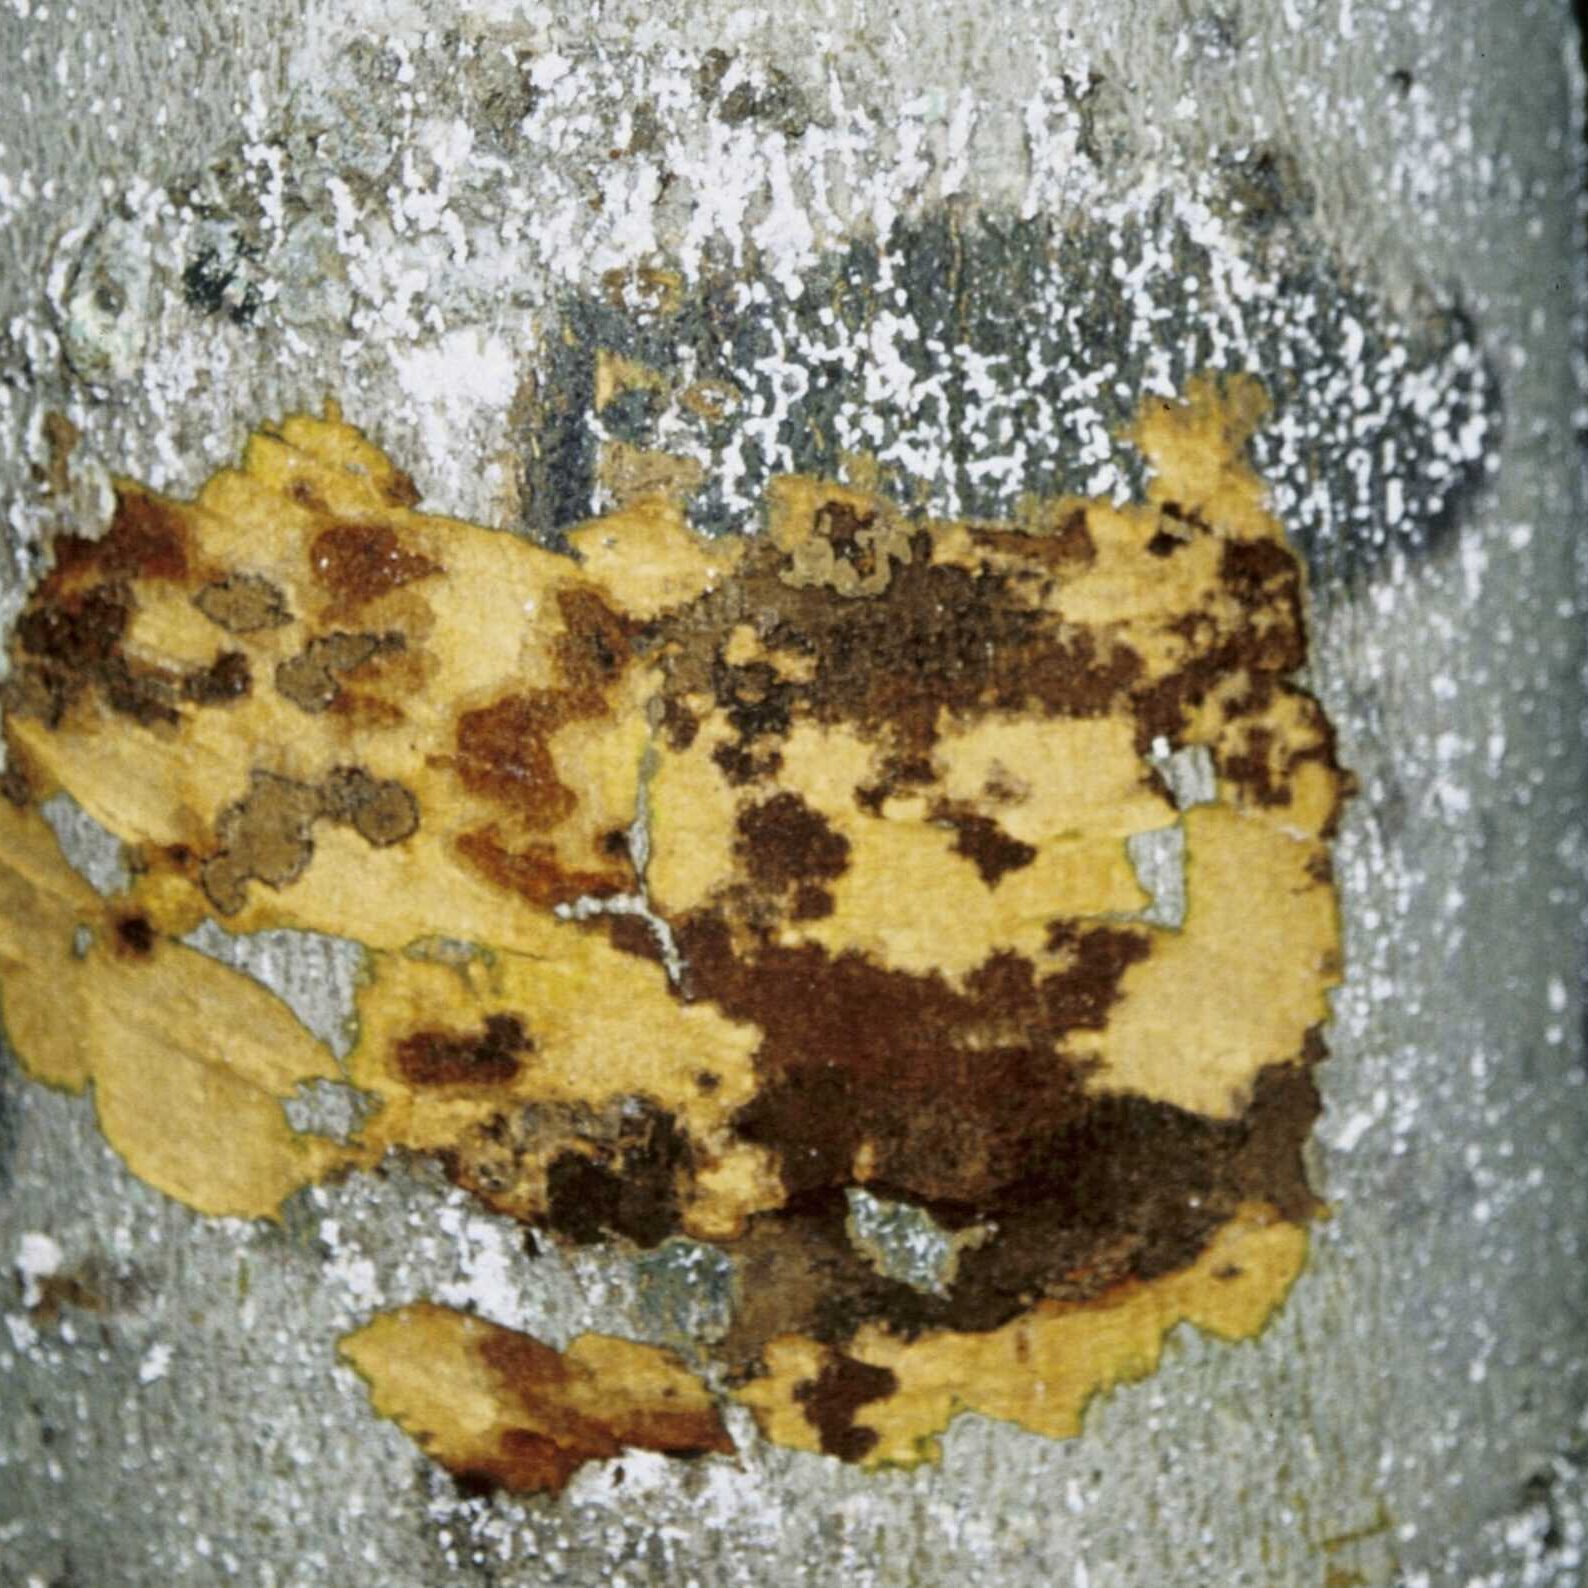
{"x":887,"y":771}
{"x":357,"y":563}
{"x":501,"y":1409}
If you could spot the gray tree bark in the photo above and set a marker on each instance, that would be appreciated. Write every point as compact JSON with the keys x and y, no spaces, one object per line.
{"x":212,"y":215}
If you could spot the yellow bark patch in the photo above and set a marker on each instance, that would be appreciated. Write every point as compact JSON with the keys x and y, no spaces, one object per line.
{"x":189,"y":1060}
{"x":500,"y":1409}
{"x":704,"y":883}
{"x":1040,"y":1372}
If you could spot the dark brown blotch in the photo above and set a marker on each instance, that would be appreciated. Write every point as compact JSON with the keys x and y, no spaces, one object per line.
{"x":56,"y":1292}
{"x":504,"y":753}
{"x":399,"y":489}
{"x":37,"y":691}
{"x":953,"y":1092}
{"x":80,"y":632}
{"x":843,"y":527}
{"x":831,"y":1399}
{"x":980,"y":839}
{"x":73,"y":642}
{"x":633,"y":934}
{"x":68,"y":643}
{"x":15,"y":786}
{"x":226,"y":679}
{"x":811,"y":903}
{"x":1096,"y":959}
{"x":1253,"y":770}
{"x":1265,"y":579}
{"x":134,"y":935}
{"x":555,"y":1438}
{"x":679,"y":724}
{"x":147,"y":695}
{"x":61,"y":438}
{"x":504,"y":748}
{"x":147,"y":539}
{"x":629,"y":1188}
{"x":594,"y":648}
{"x":938,"y":639}
{"x":1066,"y":548}
{"x":491,"y":1057}
{"x":783,"y":841}
{"x":1126,"y":1191}
{"x":535,"y":871}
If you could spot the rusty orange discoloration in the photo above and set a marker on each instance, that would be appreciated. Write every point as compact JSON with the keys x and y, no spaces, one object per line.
{"x":502,"y":1410}
{"x":358,"y":563}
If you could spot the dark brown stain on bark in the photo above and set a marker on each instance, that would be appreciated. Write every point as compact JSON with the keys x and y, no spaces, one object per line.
{"x":938,"y":638}
{"x":504,"y":752}
{"x":832,"y":1398}
{"x":147,"y":539}
{"x":1130,"y":1190}
{"x":80,"y":631}
{"x":226,"y":679}
{"x":490,"y":1057}
{"x":633,"y":934}
{"x":134,"y":935}
{"x":843,"y":527}
{"x":783,"y":841}
{"x":628,"y":1187}
{"x":535,"y":871}
{"x":985,"y":844}
{"x":71,"y":644}
{"x":71,"y":635}
{"x":1069,"y":546}
{"x":952,"y":1092}
{"x":146,"y":695}
{"x":16,"y":788}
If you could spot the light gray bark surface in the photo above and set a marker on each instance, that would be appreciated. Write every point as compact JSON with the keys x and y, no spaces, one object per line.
{"x":210,"y":215}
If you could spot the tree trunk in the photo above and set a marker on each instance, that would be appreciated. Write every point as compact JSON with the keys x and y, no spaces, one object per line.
{"x":656,"y":261}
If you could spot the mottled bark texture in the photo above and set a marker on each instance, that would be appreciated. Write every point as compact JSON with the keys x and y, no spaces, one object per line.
{"x":558,"y":266}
